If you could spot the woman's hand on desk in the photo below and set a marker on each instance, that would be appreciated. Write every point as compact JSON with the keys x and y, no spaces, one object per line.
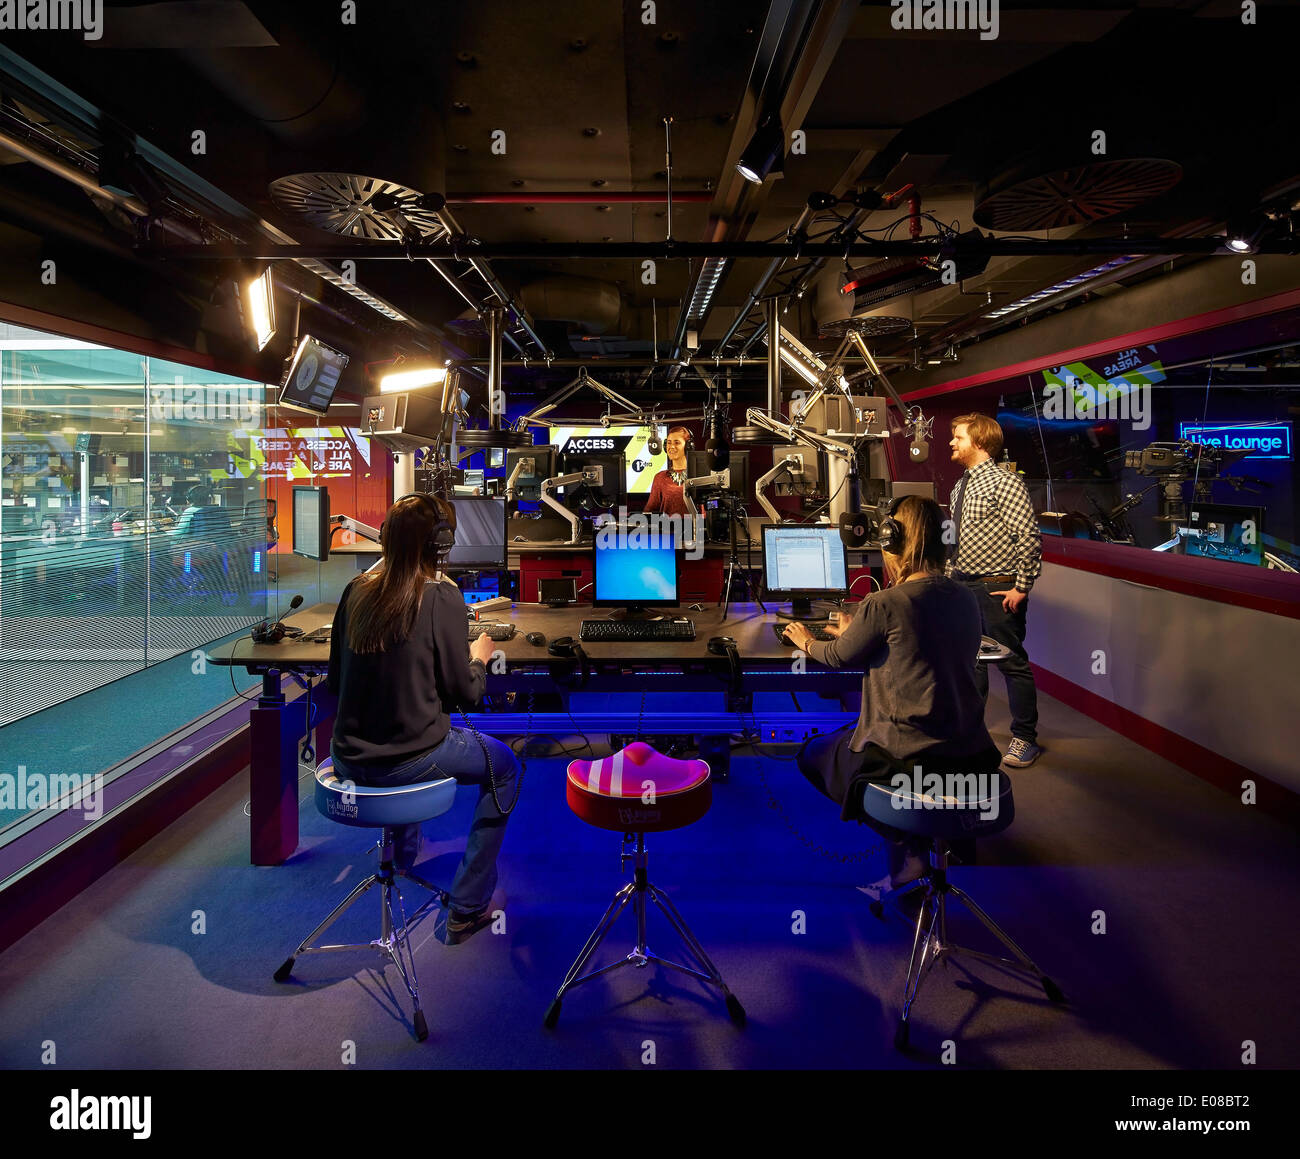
{"x":482,"y":649}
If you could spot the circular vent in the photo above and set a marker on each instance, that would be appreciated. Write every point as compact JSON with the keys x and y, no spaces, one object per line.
{"x":343,"y":203}
{"x":869,"y":326}
{"x":1076,"y":195}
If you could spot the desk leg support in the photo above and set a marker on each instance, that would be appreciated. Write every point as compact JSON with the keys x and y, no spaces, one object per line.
{"x":276,"y":730}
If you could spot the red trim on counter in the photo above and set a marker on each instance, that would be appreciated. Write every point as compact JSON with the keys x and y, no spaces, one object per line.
{"x":1276,"y":800}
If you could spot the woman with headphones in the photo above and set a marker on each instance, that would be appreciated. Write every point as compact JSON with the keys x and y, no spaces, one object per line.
{"x":917,"y":642}
{"x":666,"y":494}
{"x":399,"y":661}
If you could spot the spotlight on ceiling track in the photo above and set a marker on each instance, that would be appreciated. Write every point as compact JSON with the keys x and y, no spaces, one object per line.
{"x":259,"y":296}
{"x":765,"y":152}
{"x":1244,"y":234}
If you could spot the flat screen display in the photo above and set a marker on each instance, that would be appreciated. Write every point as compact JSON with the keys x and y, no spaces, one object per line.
{"x":625,"y":572}
{"x":639,"y":465}
{"x":480,"y":533}
{"x":313,"y":376}
{"x":804,"y":559}
{"x":311,"y":522}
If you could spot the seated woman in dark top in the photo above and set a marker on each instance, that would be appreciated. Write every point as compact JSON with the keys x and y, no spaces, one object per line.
{"x":399,"y":660}
{"x":917,"y":642}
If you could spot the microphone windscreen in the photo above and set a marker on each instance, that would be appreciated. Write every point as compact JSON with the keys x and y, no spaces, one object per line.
{"x":918,"y":451}
{"x":295,"y":602}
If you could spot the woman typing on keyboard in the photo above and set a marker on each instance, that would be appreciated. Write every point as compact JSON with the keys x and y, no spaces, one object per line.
{"x":917,"y":642}
{"x":399,"y":661}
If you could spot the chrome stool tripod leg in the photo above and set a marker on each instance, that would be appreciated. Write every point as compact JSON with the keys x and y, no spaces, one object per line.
{"x":397,"y":942}
{"x":734,"y":1009}
{"x":572,"y":979}
{"x":305,"y":946}
{"x":919,"y":964}
{"x":1026,"y":963}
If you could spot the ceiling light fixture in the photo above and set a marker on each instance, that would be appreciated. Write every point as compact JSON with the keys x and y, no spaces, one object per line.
{"x":259,"y":293}
{"x":412,"y":379}
{"x":765,"y":152}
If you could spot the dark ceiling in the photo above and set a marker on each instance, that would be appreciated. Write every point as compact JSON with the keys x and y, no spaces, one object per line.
{"x":413,"y":93}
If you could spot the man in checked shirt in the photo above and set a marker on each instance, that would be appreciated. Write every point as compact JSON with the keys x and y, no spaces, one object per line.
{"x":998,"y":556}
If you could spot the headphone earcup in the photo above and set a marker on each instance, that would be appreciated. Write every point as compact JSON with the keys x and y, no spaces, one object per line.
{"x":891,"y":536}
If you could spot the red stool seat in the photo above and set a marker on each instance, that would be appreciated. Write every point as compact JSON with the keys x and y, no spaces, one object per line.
{"x":639,"y":790}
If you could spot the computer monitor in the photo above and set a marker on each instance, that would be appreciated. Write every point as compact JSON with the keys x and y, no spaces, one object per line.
{"x":737,"y":461}
{"x":311,"y":522}
{"x":802,"y":563}
{"x":528,"y":485}
{"x":313,"y":376}
{"x":632,"y":442}
{"x":586,"y":498}
{"x":474,"y":479}
{"x":480,"y":534}
{"x":633,"y":572}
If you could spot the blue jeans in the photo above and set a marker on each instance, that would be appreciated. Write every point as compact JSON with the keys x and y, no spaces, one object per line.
{"x":458,"y":756}
{"x":1008,"y":628}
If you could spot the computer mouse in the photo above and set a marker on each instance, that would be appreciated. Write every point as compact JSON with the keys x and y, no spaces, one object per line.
{"x":536,"y":638}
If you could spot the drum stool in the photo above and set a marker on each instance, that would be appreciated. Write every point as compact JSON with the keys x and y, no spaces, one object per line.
{"x":610,"y":793}
{"x":380,"y":807}
{"x":987,"y":810}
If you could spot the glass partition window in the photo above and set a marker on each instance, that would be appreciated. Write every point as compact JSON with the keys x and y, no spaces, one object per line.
{"x":1190,"y":456}
{"x":135,"y":522}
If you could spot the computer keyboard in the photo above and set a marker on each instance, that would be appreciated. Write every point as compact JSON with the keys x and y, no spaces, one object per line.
{"x":618,"y":631}
{"x":491,"y":629}
{"x":816,"y":629}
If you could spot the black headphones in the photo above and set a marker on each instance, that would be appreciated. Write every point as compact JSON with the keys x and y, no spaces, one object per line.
{"x":891,"y":531}
{"x":726,"y":646}
{"x":442,"y":537}
{"x":567,"y":648}
{"x":272,"y":633}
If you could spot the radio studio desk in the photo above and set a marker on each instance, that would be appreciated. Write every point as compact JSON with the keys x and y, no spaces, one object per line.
{"x":278,"y":727}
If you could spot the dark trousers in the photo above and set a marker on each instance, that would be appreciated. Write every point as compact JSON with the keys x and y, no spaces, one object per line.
{"x":1008,"y":628}
{"x":835,"y":771}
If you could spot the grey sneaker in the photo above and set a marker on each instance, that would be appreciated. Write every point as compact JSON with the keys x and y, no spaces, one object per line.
{"x":1021,"y":754}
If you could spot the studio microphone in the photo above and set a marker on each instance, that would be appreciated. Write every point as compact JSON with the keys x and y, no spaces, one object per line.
{"x":719,"y":451}
{"x":652,"y":444}
{"x":265,"y":633}
{"x":918,"y":450}
{"x":855,"y":529}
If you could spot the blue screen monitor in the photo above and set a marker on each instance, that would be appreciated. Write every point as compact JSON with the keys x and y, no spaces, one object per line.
{"x":802,"y":563}
{"x":634,"y":571}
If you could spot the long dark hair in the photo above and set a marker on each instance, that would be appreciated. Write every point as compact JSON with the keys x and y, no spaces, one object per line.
{"x":386,"y":601}
{"x":923,"y":546}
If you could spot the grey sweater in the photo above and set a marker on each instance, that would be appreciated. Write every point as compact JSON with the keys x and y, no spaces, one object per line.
{"x":917,"y":644}
{"x":393,"y":704}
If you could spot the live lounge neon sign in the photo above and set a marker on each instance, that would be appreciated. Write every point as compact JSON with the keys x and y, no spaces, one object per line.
{"x":1262,"y":440}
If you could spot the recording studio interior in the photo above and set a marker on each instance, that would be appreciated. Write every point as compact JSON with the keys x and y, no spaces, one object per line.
{"x":761,"y":527}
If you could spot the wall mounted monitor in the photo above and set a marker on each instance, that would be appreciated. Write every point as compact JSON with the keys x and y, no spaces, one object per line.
{"x":313,"y":376}
{"x":629,"y":441}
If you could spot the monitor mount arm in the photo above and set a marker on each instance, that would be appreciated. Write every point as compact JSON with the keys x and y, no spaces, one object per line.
{"x":791,"y":463}
{"x":356,"y":526}
{"x":715,"y":479}
{"x":594,"y":475}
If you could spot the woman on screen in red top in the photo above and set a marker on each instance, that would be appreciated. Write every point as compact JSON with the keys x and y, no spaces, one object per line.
{"x":666,"y":495}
